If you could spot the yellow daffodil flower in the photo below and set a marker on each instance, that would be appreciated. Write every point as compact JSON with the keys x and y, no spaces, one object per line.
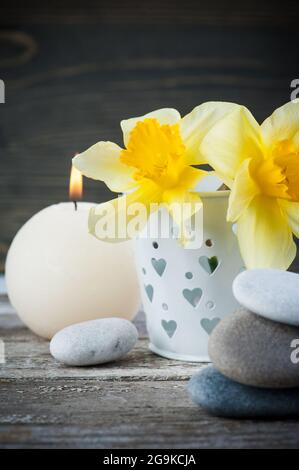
{"x":156,"y":165}
{"x":261,"y":166}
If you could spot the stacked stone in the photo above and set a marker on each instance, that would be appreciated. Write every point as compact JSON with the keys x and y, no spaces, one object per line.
{"x":255,"y":351}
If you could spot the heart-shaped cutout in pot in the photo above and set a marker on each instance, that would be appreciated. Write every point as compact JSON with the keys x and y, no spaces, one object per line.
{"x":193,"y":296}
{"x":209,"y":264}
{"x":169,"y":327}
{"x":150,"y":291}
{"x":209,"y":324}
{"x":159,"y":265}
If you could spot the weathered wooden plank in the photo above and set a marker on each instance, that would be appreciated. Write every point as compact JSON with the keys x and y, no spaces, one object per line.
{"x":27,"y":357}
{"x":139,"y":402}
{"x":90,"y":413}
{"x":215,"y":13}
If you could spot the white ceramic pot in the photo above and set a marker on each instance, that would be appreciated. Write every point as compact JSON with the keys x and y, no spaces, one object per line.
{"x":186,"y":292}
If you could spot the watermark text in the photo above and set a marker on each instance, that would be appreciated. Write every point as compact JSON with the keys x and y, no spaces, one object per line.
{"x":295,"y":90}
{"x":2,"y":352}
{"x":116,"y":220}
{"x":2,"y":91}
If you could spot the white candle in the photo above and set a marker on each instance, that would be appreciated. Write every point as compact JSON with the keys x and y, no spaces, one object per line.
{"x":58,"y":274}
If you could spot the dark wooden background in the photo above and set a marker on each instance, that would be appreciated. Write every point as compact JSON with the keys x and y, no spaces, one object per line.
{"x":73,"y":70}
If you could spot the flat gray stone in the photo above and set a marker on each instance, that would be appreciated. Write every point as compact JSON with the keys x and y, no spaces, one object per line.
{"x":255,"y":351}
{"x":271,"y":293}
{"x":94,"y":342}
{"x":221,"y":396}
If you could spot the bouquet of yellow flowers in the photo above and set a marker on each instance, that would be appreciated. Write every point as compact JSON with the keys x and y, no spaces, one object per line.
{"x":259,"y":163}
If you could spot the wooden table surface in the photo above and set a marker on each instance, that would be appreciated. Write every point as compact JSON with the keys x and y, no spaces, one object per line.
{"x":138,"y":402}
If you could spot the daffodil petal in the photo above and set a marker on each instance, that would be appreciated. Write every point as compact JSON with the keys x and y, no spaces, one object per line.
{"x":102,"y":162}
{"x":292,"y":212}
{"x":182,"y":206}
{"x":175,"y":198}
{"x":296,"y":140}
{"x":164,"y":116}
{"x":195,"y":125}
{"x":180,"y":196}
{"x":232,"y":140}
{"x":244,"y":189}
{"x":265,"y":238}
{"x":282,"y":125}
{"x":122,"y":218}
{"x":190,"y":177}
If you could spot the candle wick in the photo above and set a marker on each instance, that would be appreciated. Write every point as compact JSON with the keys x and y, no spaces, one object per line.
{"x":75,"y":204}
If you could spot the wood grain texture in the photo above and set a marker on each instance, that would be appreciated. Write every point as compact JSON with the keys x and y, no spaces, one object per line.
{"x":215,"y":12}
{"x":28,"y":357}
{"x":125,"y":414}
{"x":139,"y":402}
{"x":73,"y":71}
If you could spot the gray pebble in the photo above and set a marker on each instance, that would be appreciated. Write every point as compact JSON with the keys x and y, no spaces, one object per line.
{"x":271,"y":293}
{"x":94,"y":342}
{"x":221,"y":396}
{"x":255,"y":351}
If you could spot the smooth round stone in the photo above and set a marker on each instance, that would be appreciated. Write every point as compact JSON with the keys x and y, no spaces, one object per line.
{"x":271,"y":293}
{"x":221,"y":396}
{"x":255,"y":351}
{"x":94,"y":342}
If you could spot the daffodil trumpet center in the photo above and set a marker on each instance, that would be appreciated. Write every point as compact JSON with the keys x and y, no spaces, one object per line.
{"x":157,"y":152}
{"x":277,"y":175}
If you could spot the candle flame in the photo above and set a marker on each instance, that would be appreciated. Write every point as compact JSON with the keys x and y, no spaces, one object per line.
{"x":76,"y":185}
